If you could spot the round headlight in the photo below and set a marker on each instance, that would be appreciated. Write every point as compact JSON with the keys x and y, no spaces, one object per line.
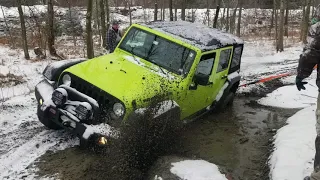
{"x":66,"y":80}
{"x":118,"y":109}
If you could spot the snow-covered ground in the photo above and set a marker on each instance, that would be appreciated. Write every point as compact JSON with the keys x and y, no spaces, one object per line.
{"x":292,"y":158}
{"x":196,"y":170}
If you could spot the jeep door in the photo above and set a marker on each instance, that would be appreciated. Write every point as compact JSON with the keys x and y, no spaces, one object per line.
{"x":215,"y":64}
{"x":221,"y":70}
{"x":199,"y":96}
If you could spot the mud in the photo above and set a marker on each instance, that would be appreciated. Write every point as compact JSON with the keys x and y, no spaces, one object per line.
{"x":237,"y":140}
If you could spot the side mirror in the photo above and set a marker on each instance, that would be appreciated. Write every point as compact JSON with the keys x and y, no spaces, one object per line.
{"x":201,"y":79}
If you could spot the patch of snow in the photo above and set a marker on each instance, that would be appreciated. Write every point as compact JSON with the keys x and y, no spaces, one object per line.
{"x":220,"y":94}
{"x":102,"y":128}
{"x":294,"y":151}
{"x":4,"y":71}
{"x":196,"y":170}
{"x":156,"y":177}
{"x":134,"y":60}
{"x":290,"y":97}
{"x":26,"y":138}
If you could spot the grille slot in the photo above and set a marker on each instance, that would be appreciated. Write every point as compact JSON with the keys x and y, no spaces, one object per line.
{"x":103,"y":98}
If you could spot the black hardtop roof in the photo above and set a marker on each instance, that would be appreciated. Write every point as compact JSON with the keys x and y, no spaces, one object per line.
{"x":199,"y":35}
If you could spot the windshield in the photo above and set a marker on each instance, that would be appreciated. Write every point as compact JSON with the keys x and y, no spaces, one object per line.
{"x":164,"y":53}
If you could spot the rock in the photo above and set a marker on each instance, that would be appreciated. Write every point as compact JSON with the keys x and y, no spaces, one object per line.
{"x":4,"y":71}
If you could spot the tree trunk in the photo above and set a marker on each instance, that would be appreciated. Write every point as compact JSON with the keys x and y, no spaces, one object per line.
{"x":175,"y":13}
{"x":130,"y":13}
{"x":7,"y":28}
{"x":215,"y":22}
{"x":272,"y":19}
{"x":302,"y":20}
{"x":183,"y":10}
{"x":276,"y":22}
{"x":286,"y":28}
{"x":97,"y":11}
{"x":208,"y":12}
{"x":103,"y":24}
{"x":90,"y":53}
{"x":306,"y":22}
{"x":228,"y":16}
{"x":23,"y":31}
{"x":281,"y":27}
{"x":170,"y":9}
{"x":51,"y":48}
{"x":233,"y":19}
{"x":239,"y":18}
{"x":155,"y":12}
{"x":223,"y":19}
{"x":107,"y":13}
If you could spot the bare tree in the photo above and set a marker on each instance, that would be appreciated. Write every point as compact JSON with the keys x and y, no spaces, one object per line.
{"x":155,"y":17}
{"x":103,"y":24}
{"x":281,"y":27}
{"x":170,"y":9}
{"x":130,"y":13}
{"x":306,"y":22}
{"x":239,"y":18}
{"x":233,"y":19}
{"x":286,"y":28}
{"x":7,"y":28}
{"x":51,"y":48}
{"x":183,"y":10}
{"x":90,"y":53}
{"x":215,"y":21}
{"x":108,"y":13}
{"x":23,"y":31}
{"x":228,"y":16}
{"x":276,"y":21}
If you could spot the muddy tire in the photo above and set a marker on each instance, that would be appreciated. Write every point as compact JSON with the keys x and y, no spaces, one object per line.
{"x":48,"y":123}
{"x":226,"y":102}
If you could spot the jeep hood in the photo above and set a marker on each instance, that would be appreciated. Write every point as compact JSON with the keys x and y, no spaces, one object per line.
{"x":125,"y":77}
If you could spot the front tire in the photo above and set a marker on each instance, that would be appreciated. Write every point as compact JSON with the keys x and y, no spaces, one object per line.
{"x":45,"y":121}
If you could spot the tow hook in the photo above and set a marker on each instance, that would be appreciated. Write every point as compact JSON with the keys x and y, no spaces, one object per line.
{"x":66,"y":123}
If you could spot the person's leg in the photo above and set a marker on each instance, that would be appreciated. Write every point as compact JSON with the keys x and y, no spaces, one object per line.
{"x":316,"y":173}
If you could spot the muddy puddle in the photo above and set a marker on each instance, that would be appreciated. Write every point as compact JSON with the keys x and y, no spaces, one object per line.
{"x":238,"y":140}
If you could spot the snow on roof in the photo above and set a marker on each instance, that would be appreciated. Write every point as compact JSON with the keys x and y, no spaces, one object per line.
{"x":199,"y":35}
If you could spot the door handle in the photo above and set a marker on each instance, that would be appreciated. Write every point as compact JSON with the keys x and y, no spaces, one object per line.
{"x":224,"y":77}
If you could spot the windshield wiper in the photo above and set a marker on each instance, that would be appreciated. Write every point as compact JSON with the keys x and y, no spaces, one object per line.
{"x":132,"y":53}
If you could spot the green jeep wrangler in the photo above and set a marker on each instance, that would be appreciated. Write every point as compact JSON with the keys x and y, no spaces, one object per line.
{"x":196,"y":66}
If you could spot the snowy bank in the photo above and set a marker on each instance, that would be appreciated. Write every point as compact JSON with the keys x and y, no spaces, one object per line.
{"x":196,"y":170}
{"x":294,"y":149}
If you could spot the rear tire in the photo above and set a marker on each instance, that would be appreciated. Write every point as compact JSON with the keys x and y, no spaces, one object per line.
{"x":226,"y":102}
{"x":48,"y":123}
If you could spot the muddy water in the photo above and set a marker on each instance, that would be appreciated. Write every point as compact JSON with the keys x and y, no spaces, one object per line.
{"x":237,"y":140}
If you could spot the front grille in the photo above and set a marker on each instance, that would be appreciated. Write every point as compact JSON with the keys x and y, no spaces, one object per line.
{"x":104,"y":99}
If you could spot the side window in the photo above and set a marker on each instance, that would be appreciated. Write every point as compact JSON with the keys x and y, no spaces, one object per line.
{"x":236,"y":57}
{"x":224,"y":60}
{"x":206,"y":64}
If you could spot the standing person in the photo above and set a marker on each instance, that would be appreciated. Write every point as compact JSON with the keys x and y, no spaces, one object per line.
{"x":113,"y":36}
{"x":308,"y":60}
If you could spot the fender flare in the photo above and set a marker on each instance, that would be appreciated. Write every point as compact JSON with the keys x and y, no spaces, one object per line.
{"x":53,"y":70}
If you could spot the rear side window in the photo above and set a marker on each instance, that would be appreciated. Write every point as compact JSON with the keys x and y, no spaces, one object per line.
{"x":236,"y":57}
{"x":224,"y":60}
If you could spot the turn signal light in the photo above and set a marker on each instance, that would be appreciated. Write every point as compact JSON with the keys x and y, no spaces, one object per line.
{"x":102,"y":141}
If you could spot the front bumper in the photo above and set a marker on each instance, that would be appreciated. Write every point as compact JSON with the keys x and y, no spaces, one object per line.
{"x":65,"y":117}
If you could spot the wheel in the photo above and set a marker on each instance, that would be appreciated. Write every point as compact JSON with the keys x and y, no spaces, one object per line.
{"x":226,"y":102}
{"x":48,"y":123}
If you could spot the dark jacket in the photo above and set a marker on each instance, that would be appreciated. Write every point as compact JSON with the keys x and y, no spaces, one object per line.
{"x":311,"y":54}
{"x":113,"y":39}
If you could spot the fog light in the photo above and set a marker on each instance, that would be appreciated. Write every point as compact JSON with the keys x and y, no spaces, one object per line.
{"x":40,"y":101}
{"x":59,"y":96}
{"x":102,"y":140}
{"x":84,"y":111}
